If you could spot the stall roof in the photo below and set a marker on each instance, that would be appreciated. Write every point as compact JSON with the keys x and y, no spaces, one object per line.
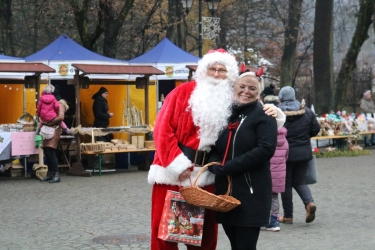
{"x":165,"y":52}
{"x":192,"y":67}
{"x":65,"y":49}
{"x":25,"y":67}
{"x":117,"y":69}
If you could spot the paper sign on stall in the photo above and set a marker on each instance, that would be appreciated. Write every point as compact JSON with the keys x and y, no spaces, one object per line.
{"x":23,"y":143}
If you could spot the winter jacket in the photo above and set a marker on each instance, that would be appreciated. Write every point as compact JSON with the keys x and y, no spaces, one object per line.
{"x":48,"y":107}
{"x":367,"y":106}
{"x":252,"y":145}
{"x":52,"y":143}
{"x":278,"y":162}
{"x":301,"y":126}
{"x":100,"y":110}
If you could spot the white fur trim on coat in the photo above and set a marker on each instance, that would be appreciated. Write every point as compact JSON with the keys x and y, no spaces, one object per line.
{"x":280,"y":119}
{"x":169,"y":175}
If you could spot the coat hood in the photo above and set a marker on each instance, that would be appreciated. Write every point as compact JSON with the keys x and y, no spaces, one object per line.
{"x":100,"y":92}
{"x":47,"y":98}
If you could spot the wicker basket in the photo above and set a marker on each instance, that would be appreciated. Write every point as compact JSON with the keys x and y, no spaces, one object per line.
{"x":29,"y":127}
{"x":199,"y":197}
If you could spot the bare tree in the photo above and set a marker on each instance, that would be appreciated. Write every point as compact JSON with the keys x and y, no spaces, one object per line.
{"x":365,"y":14}
{"x":6,"y":28}
{"x":290,"y":45}
{"x":176,"y":32}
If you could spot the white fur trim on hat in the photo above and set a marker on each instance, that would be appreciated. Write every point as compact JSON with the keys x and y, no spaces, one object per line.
{"x":222,"y":57}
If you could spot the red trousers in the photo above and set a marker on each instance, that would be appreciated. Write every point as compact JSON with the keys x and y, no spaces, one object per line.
{"x":210,"y":228}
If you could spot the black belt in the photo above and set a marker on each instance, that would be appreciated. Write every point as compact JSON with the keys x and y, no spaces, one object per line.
{"x":196,"y":156}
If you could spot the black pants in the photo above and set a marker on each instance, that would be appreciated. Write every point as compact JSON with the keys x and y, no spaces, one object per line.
{"x":52,"y":161}
{"x":242,"y":238}
{"x":295,"y":178}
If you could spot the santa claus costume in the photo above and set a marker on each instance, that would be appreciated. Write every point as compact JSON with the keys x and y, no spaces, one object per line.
{"x":188,"y":124}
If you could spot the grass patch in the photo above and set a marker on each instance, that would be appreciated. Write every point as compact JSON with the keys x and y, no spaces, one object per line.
{"x":339,"y":153}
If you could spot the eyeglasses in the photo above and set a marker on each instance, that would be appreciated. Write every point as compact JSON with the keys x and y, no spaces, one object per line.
{"x":220,"y":71}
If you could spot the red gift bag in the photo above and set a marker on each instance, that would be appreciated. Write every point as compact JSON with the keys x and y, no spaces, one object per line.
{"x":181,"y":222}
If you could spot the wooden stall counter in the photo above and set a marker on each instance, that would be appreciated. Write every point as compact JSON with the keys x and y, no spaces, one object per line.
{"x":101,"y":153}
{"x":341,"y":144}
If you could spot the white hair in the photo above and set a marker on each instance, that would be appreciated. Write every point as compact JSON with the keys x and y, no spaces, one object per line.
{"x":49,"y":89}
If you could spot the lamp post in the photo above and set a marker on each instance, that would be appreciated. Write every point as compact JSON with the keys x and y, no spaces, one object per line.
{"x":212,"y":5}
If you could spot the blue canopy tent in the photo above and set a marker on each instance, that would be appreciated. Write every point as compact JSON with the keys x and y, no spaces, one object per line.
{"x":4,"y":58}
{"x":63,"y":52}
{"x":169,"y":58}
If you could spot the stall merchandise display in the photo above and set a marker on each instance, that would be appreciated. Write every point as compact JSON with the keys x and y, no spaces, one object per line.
{"x":142,"y":129}
{"x":342,"y":124}
{"x":115,"y":145}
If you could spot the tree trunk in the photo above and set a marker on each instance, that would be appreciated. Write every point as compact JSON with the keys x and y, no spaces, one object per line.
{"x":323,"y":55}
{"x":6,"y":28}
{"x":81,"y":18}
{"x":290,"y":44}
{"x":177,"y":30}
{"x":113,"y":25}
{"x":366,"y":11}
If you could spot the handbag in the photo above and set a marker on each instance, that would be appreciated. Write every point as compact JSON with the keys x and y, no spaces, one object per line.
{"x":311,"y":173}
{"x":181,"y":222}
{"x":47,"y":132}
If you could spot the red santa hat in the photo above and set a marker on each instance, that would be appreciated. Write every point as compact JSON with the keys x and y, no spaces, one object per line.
{"x":218,"y":56}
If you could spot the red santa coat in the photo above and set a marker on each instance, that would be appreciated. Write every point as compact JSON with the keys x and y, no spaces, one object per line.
{"x":175,"y":124}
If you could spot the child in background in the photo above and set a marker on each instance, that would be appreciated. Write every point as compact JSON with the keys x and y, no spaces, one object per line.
{"x":278,"y":172}
{"x":277,"y":166}
{"x":48,"y":107}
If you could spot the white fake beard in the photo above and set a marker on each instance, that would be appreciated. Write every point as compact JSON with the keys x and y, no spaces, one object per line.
{"x":210,"y":103}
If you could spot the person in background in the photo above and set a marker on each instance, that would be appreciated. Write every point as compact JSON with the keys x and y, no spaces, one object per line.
{"x":367,"y":106}
{"x":245,"y":148}
{"x":301,"y":125}
{"x":188,"y":124}
{"x":50,"y":146}
{"x":269,"y":95}
{"x":278,"y":172}
{"x":101,"y":114}
{"x":48,"y":107}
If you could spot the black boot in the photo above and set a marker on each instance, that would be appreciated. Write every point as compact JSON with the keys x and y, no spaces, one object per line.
{"x":55,"y":178}
{"x":48,"y":176}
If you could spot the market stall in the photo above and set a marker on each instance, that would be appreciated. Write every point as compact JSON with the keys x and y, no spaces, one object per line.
{"x":171,"y":59}
{"x":345,"y":129}
{"x":81,"y":80}
{"x":17,"y":137}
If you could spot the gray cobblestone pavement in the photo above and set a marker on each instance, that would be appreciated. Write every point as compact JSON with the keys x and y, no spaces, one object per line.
{"x":112,"y":211}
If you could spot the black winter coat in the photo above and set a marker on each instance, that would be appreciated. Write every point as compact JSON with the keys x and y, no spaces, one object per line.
{"x":100,"y":110}
{"x":252,"y":146}
{"x":301,"y":127}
